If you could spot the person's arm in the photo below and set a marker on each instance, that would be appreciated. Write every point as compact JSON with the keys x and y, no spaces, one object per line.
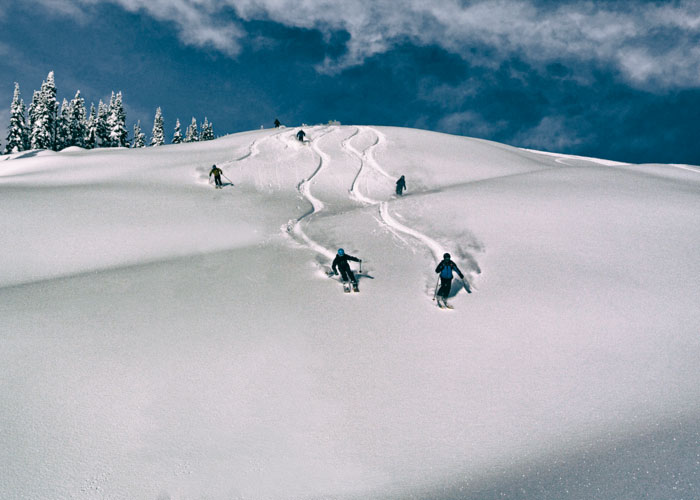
{"x":334,"y":266}
{"x":439,"y":267}
{"x":350,"y":257}
{"x":454,"y":266}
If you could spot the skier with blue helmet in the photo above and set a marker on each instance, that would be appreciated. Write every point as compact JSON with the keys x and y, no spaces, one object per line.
{"x":340,"y":263}
{"x":445,"y":269}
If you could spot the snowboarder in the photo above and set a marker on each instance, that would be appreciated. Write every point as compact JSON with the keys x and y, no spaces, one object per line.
{"x":277,"y":123}
{"x":217,"y":175}
{"x":400,"y":185}
{"x":341,"y":262}
{"x":300,"y":135}
{"x":445,"y":269}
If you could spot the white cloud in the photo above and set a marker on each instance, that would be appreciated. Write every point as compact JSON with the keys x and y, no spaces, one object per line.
{"x":642,"y":42}
{"x":551,"y":134}
{"x":469,"y":123}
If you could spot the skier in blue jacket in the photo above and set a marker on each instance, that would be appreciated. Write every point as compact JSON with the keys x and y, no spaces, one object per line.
{"x":445,"y":269}
{"x":341,"y":263}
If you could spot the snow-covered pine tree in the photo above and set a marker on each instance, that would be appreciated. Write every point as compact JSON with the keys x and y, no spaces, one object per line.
{"x":192,"y":135}
{"x":158,"y":134}
{"x":118,"y":135}
{"x":177,"y":136}
{"x":62,"y":138}
{"x":77,"y":126}
{"x":39,"y":137}
{"x":207,"y":133}
{"x":101,"y":126}
{"x":91,"y":129}
{"x":16,"y":132}
{"x":139,"y":136}
{"x":48,"y":91}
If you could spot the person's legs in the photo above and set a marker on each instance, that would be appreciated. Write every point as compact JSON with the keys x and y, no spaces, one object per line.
{"x":445,"y":286}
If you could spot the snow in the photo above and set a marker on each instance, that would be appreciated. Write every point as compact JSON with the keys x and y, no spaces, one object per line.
{"x":162,"y":339}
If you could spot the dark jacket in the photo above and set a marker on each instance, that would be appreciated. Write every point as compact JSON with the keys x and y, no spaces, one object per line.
{"x":401,"y":183}
{"x":300,"y":135}
{"x":341,"y":261}
{"x":216,"y":171}
{"x":448,"y":263}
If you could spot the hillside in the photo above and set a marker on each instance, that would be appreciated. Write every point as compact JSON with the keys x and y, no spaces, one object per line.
{"x":163,"y":339}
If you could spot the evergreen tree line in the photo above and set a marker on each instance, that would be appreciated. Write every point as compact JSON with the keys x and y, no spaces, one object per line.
{"x":45,"y":126}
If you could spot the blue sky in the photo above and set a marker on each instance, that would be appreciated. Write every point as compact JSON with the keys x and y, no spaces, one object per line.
{"x":617,"y":80}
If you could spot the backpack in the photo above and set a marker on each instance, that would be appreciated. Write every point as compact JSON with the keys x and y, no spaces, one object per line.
{"x":446,"y":271}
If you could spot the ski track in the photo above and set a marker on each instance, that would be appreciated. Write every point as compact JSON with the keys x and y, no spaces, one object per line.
{"x":253,"y":151}
{"x":367,"y":159}
{"x":304,"y":188}
{"x":367,"y":162}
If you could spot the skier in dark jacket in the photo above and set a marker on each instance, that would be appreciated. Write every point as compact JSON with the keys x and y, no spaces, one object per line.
{"x":445,"y":269}
{"x":216,"y":171}
{"x":341,"y":263}
{"x":400,"y":185}
{"x":300,"y":135}
{"x":277,"y":123}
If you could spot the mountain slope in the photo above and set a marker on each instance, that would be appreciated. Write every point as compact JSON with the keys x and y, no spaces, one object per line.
{"x":165,"y":339}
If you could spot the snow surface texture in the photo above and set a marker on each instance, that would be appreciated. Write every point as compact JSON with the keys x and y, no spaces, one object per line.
{"x":165,"y":340}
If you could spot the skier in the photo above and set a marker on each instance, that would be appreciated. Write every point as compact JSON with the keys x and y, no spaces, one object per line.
{"x":300,"y":135}
{"x":400,"y":185}
{"x":341,"y":262}
{"x":445,"y":269}
{"x":277,"y":123}
{"x":217,"y":175}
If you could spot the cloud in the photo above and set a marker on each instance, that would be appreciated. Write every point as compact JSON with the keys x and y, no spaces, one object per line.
{"x":552,"y":133}
{"x":648,"y":44}
{"x":471,"y":124}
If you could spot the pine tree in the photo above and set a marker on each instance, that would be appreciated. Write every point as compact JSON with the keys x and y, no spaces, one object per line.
{"x":116,"y":123}
{"x":177,"y":136}
{"x":17,"y":131}
{"x":48,"y":91}
{"x":91,"y":129}
{"x":158,"y":134}
{"x":101,"y":125}
{"x":62,"y":136}
{"x":207,"y":131}
{"x":139,"y":137}
{"x":77,"y":126}
{"x":192,"y":135}
{"x":40,"y":136}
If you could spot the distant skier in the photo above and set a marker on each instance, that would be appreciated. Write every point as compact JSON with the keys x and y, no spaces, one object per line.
{"x":277,"y":123}
{"x":341,"y":262}
{"x":216,"y":171}
{"x":400,"y":185}
{"x":445,"y":269}
{"x":300,"y":135}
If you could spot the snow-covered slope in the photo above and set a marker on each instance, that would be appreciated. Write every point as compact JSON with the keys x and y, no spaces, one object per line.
{"x":162,"y":339}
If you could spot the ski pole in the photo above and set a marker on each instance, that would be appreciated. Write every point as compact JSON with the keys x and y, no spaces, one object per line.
{"x":436,"y":288}
{"x":228,"y":179}
{"x":360,"y":266}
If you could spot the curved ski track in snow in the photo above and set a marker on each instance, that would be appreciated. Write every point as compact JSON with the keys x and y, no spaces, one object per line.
{"x":366,"y":158}
{"x":304,"y":188}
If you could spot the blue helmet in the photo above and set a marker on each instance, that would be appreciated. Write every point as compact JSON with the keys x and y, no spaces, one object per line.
{"x":341,"y":251}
